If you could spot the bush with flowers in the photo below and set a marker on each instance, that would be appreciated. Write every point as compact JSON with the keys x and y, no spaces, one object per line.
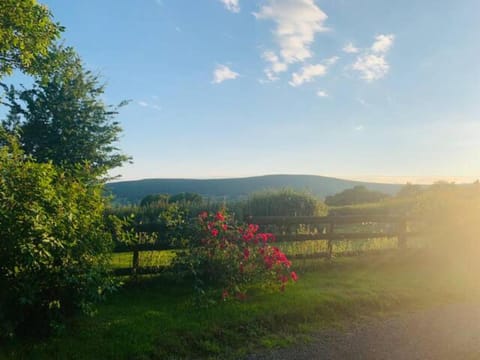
{"x":231,"y":257}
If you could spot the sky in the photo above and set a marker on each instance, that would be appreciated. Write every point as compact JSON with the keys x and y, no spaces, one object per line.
{"x":361,"y":89}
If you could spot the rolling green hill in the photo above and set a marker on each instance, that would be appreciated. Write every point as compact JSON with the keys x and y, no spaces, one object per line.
{"x":237,"y":188}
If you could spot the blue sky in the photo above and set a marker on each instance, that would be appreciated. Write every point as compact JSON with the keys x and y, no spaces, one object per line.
{"x":367,"y":89}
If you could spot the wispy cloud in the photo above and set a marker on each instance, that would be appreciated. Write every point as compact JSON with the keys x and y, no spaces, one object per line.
{"x":363,"y":102}
{"x":231,"y":5}
{"x":322,"y":93}
{"x":349,"y":48}
{"x":276,"y":65}
{"x":372,"y":64}
{"x":358,"y":128}
{"x":222,"y":73}
{"x":307,"y":74}
{"x":145,"y":104}
{"x":382,"y":43}
{"x":297,"y":22}
{"x":331,"y":60}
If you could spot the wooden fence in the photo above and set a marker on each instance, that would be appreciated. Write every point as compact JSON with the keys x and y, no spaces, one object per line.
{"x":331,"y":229}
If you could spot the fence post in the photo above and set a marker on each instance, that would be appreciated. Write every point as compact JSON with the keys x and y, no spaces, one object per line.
{"x":330,"y":229}
{"x":135,"y":262}
{"x":402,"y":234}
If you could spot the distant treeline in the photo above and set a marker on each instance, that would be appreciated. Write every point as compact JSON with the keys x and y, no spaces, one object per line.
{"x":132,"y":192}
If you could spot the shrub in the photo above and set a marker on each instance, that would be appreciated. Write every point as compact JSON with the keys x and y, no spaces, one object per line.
{"x":231,"y":257}
{"x":356,"y":195}
{"x":160,"y":199}
{"x":450,"y":215}
{"x":53,"y":244}
{"x":283,"y":202}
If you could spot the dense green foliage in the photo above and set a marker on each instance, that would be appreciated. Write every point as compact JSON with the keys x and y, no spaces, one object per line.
{"x":186,"y":197}
{"x":283,"y":202}
{"x":357,"y":195}
{"x":54,"y":248}
{"x":63,"y":118}
{"x":155,"y":199}
{"x":26,"y":32}
{"x":164,"y":199}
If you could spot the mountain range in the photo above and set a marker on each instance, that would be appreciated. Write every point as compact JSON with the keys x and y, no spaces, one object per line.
{"x":237,"y":188}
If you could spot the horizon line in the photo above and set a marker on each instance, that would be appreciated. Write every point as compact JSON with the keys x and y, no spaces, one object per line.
{"x":378,"y":179}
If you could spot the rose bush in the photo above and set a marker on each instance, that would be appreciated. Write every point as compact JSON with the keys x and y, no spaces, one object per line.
{"x":232,"y":257}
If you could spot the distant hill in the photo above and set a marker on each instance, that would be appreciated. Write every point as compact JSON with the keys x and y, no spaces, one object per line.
{"x":238,"y":188}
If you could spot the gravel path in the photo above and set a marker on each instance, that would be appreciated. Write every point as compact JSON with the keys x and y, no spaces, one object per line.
{"x":450,"y":332}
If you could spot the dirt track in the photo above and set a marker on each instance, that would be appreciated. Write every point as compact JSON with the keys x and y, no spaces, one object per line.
{"x":450,"y":332}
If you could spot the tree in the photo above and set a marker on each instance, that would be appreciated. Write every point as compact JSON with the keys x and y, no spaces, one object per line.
{"x":155,"y":199}
{"x":63,"y":118}
{"x":410,"y":190}
{"x":26,"y":32}
{"x":356,"y":195}
{"x":186,"y":197}
{"x":54,"y":248}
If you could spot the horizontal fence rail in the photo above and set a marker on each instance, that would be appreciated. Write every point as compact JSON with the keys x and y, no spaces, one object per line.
{"x":294,"y":228}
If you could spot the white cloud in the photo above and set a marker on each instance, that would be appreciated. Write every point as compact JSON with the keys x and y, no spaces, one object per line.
{"x":297,"y":22}
{"x":363,"y":102}
{"x":358,"y":128}
{"x":148,"y":105}
{"x":349,"y":48}
{"x":276,"y":66}
{"x":372,"y":64}
{"x":231,"y":5}
{"x":331,"y":60}
{"x":371,"y":67}
{"x":382,"y":43}
{"x":307,"y":74}
{"x":222,"y":73}
{"x":322,"y":93}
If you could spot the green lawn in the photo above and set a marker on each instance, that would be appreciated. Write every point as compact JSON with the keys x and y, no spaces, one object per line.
{"x":155,"y":317}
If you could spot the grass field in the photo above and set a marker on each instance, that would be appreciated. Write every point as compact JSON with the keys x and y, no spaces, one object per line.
{"x":155,"y":317}
{"x":146,"y":258}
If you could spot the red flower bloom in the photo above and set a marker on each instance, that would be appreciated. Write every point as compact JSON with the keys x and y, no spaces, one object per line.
{"x":253,"y":228}
{"x":219,"y":217}
{"x":246,"y":253}
{"x":294,"y":276}
{"x":214,"y":232}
